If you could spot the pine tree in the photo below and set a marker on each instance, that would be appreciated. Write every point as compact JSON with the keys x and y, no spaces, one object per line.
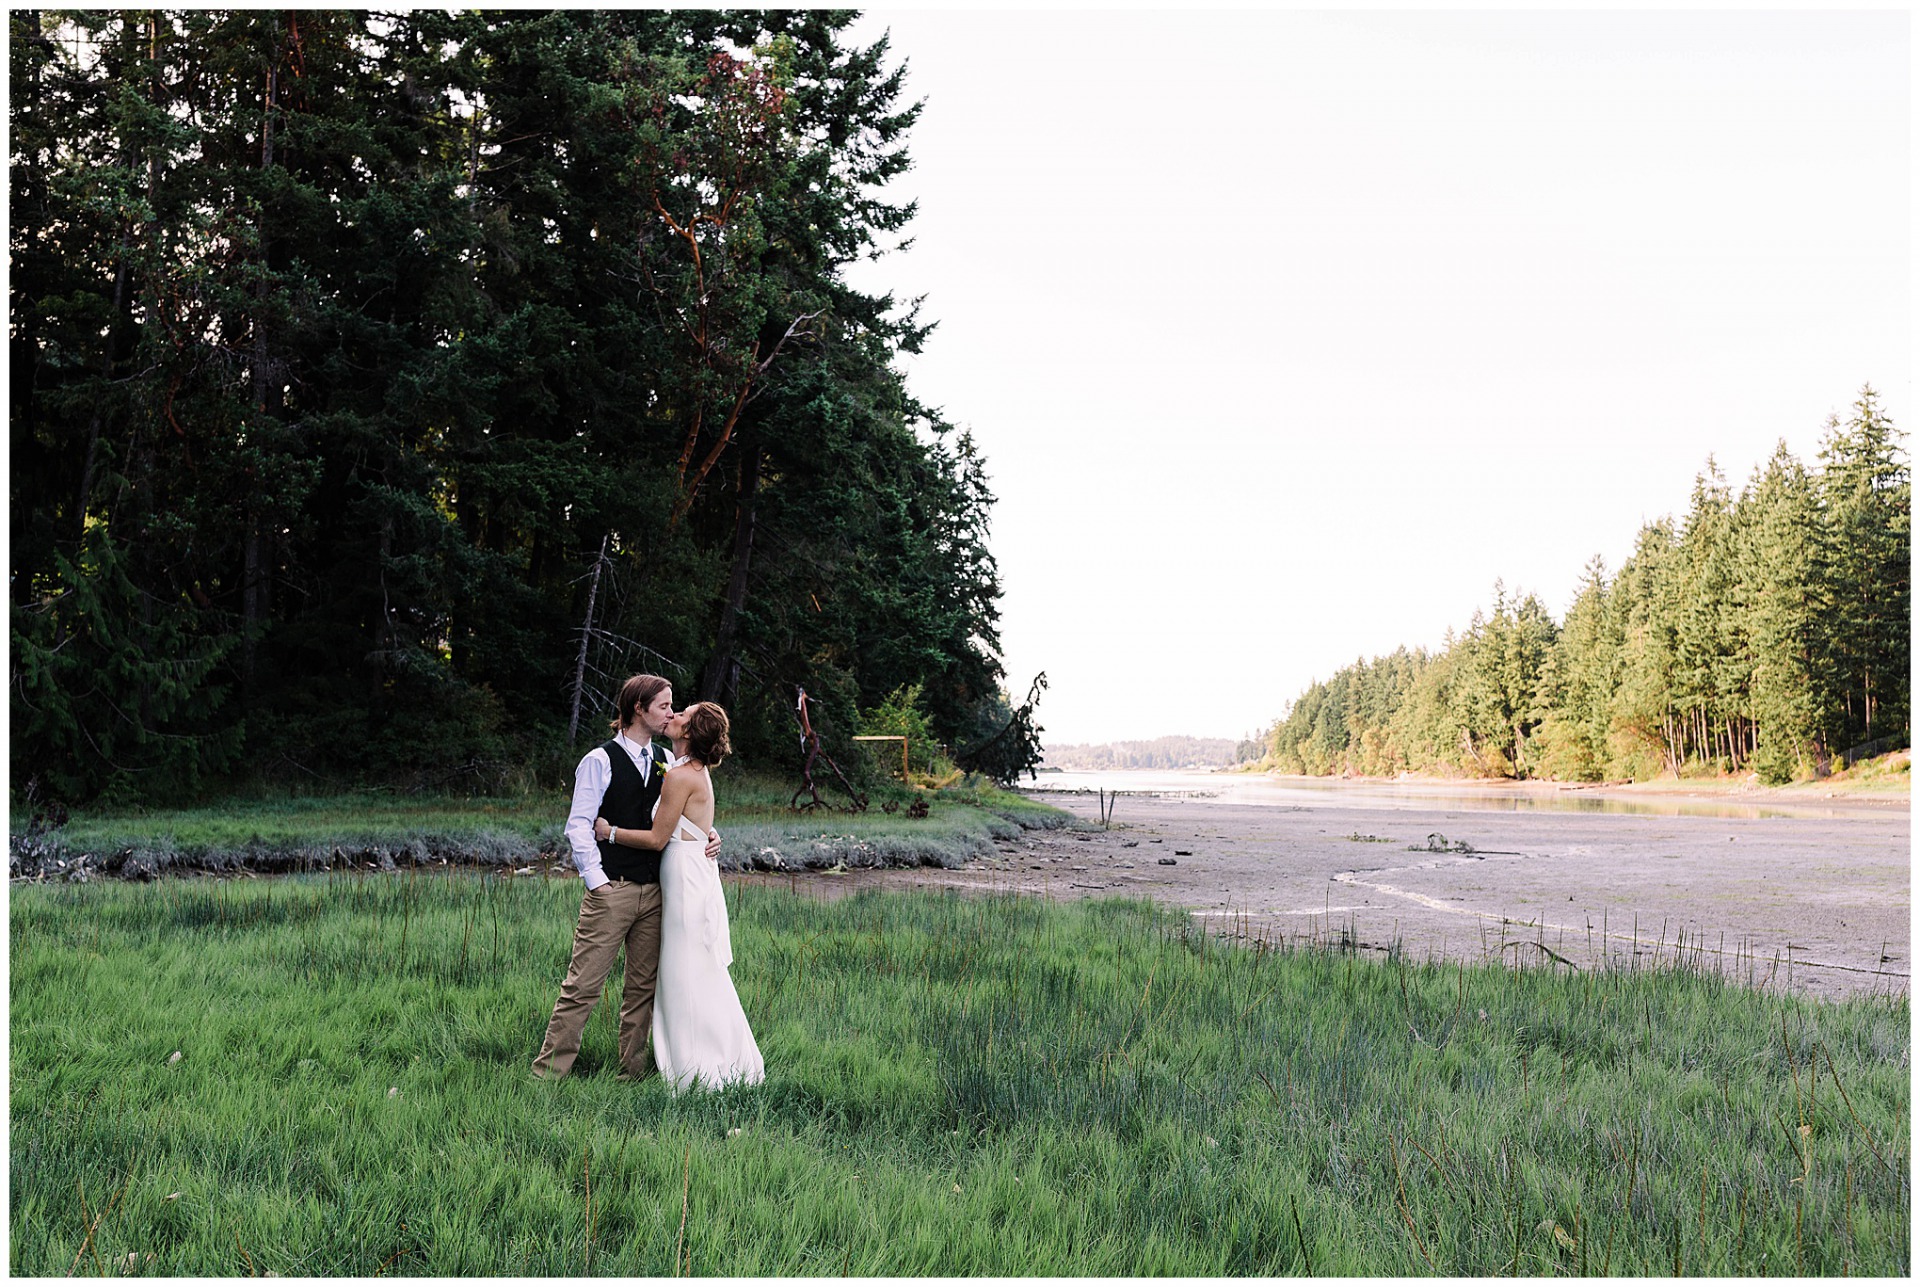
{"x":1769,"y":632}
{"x":1709,"y":686}
{"x":1580,"y":677}
{"x":1784,"y":598}
{"x":1644,"y":718}
{"x":1866,"y":498}
{"x":350,"y":368}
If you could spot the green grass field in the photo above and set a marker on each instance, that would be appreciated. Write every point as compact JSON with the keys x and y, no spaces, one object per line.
{"x":956,"y":1085}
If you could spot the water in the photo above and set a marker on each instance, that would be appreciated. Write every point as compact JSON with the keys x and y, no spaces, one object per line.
{"x":1333,"y":793}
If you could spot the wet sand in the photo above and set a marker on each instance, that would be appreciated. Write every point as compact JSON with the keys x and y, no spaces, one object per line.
{"x":1819,"y":905}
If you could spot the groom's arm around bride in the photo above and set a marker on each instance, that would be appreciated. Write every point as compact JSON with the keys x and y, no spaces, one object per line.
{"x":619,"y":780}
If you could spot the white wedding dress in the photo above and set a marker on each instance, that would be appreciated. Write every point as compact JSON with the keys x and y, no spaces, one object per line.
{"x":700,"y":1033}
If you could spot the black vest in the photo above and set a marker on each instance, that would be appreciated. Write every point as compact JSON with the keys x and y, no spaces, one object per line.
{"x":629,"y":803}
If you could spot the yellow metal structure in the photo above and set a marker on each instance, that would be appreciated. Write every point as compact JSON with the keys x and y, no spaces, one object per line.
{"x":890,"y":737}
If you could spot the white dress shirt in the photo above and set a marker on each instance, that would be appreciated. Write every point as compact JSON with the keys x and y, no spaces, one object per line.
{"x":590,"y":782}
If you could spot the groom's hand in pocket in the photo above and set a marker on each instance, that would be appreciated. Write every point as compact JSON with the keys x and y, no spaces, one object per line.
{"x":713,"y":844}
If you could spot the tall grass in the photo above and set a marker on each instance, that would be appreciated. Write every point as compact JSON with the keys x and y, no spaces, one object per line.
{"x":955,"y":1085}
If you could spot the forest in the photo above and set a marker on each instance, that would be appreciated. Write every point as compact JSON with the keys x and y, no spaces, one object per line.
{"x":386,"y":387}
{"x":1764,"y":633}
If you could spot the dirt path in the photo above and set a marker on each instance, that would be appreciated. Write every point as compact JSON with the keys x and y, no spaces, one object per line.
{"x":1820,"y":905}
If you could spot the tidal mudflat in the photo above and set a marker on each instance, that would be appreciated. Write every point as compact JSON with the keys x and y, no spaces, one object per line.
{"x":1807,"y":895}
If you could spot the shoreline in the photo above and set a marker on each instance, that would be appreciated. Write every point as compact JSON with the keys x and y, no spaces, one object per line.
{"x":1822,"y":886}
{"x":523,"y":841}
{"x":1881,"y":789}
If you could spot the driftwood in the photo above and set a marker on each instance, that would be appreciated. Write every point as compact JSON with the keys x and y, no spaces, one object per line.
{"x":810,"y":751}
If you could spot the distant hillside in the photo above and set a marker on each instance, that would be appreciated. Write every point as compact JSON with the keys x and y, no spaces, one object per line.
{"x":1160,"y":753}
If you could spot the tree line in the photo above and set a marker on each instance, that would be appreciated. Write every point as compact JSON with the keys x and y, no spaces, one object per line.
{"x":1172,"y":752}
{"x":386,"y":386}
{"x":1768,"y":632}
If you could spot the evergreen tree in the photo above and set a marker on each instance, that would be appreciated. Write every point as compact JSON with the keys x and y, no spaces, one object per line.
{"x":1866,"y":498}
{"x":1710,"y":676}
{"x":1768,"y":633}
{"x":1578,"y":682}
{"x":1785,"y":603}
{"x":387,"y":386}
{"x":1644,"y":715}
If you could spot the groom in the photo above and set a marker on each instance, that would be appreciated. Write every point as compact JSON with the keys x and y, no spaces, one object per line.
{"x":619,"y":780}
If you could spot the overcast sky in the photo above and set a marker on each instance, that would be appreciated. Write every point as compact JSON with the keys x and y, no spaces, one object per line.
{"x":1285,"y":334}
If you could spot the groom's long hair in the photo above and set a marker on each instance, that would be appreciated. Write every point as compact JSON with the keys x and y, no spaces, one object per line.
{"x":634,"y":694}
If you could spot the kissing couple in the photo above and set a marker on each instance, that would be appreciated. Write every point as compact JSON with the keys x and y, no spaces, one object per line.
{"x":641,"y":831}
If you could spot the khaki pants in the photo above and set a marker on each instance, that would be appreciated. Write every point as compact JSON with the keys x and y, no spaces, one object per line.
{"x":618,"y":912}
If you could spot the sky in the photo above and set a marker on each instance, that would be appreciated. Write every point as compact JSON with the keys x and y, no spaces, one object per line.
{"x":1285,"y":335}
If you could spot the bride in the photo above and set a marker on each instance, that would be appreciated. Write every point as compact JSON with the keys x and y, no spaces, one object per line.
{"x":700,"y":1033}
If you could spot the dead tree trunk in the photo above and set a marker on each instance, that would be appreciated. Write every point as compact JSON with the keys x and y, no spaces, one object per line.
{"x":586,"y":634}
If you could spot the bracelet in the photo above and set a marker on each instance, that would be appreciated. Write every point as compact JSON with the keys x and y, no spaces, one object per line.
{"x":613,"y":834}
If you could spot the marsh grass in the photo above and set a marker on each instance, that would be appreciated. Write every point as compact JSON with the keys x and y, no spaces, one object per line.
{"x":283,"y":833}
{"x":958,"y":1085}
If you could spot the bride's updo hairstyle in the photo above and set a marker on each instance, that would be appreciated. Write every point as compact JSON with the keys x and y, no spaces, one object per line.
{"x":707,"y":734}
